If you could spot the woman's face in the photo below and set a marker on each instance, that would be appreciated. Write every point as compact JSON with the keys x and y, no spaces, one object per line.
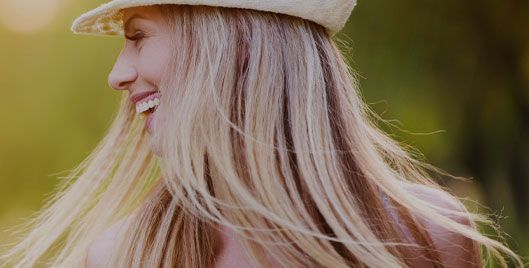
{"x":143,"y":60}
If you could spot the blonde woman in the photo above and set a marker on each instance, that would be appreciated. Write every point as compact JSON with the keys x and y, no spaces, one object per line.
{"x":242,"y":141}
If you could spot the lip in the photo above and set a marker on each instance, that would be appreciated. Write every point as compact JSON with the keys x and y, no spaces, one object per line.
{"x":143,"y":95}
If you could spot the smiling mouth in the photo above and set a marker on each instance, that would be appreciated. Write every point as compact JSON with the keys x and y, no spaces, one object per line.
{"x":148,"y":105}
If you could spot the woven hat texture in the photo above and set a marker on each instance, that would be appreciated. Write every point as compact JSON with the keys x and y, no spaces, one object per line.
{"x":107,"y":18}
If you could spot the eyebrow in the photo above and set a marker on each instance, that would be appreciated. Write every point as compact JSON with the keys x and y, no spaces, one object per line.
{"x":129,"y":21}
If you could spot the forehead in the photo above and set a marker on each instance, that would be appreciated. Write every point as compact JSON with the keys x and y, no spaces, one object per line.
{"x":143,"y":12}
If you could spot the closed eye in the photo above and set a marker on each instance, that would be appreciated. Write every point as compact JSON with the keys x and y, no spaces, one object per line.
{"x":138,"y":36}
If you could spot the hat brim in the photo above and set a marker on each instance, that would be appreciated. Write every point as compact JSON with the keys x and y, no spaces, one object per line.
{"x":107,"y":19}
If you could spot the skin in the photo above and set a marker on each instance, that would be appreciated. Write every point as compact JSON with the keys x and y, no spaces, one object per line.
{"x":139,"y":68}
{"x":143,"y":60}
{"x":141,"y":63}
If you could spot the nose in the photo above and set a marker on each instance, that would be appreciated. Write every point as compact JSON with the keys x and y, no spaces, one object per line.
{"x":123,"y":74}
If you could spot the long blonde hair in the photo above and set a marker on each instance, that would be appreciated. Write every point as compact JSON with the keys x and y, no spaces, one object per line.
{"x":260,"y":128}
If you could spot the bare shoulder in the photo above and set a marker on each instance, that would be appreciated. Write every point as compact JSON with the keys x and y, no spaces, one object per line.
{"x":455,"y":249}
{"x":99,"y":251}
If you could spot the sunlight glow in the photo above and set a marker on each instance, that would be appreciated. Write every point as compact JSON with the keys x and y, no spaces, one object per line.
{"x":27,"y":16}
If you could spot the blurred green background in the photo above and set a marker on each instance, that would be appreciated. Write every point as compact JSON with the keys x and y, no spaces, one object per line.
{"x":458,"y":70}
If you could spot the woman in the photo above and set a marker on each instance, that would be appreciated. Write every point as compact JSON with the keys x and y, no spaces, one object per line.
{"x":241,"y":141}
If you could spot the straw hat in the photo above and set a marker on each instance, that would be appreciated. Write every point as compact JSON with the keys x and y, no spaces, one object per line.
{"x":107,"y":18}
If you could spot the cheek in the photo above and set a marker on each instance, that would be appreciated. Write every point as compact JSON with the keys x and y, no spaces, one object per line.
{"x":153,"y":61}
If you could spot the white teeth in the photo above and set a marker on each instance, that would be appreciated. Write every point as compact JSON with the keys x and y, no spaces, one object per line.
{"x":146,"y":105}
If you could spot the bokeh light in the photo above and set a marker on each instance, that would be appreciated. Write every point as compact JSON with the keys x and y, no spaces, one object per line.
{"x":27,"y":16}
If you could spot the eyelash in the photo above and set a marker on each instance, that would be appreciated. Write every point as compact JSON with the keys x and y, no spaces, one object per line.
{"x":136,"y":37}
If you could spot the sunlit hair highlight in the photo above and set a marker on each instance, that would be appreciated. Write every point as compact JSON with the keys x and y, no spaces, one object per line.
{"x":261,"y":128}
